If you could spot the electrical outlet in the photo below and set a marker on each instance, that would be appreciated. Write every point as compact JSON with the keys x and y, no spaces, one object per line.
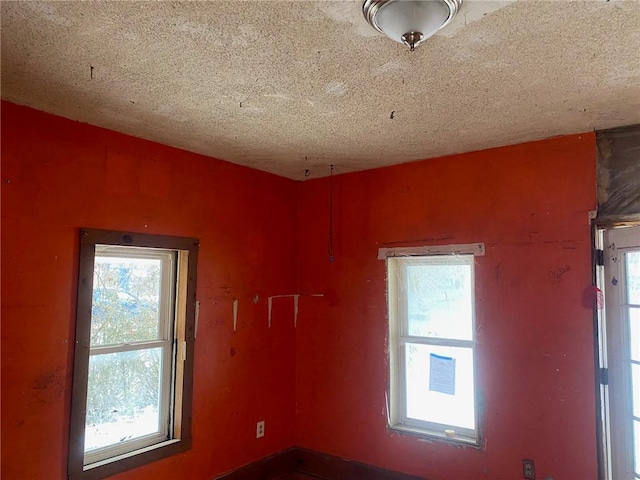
{"x":260,"y":429}
{"x":528,"y":469}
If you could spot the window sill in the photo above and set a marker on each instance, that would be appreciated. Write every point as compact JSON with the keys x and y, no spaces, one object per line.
{"x":130,"y":460}
{"x":436,"y":436}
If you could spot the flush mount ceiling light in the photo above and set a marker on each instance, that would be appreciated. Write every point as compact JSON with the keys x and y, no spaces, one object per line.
{"x":410,"y":21}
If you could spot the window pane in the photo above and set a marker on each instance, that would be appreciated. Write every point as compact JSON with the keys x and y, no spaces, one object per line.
{"x":439,"y":301}
{"x":636,"y":427}
{"x":635,"y":388}
{"x":634,"y":333}
{"x":426,"y":399}
{"x":633,"y":277}
{"x":123,"y":397}
{"x":126,"y":300}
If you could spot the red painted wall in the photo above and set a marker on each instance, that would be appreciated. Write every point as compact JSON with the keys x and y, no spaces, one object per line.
{"x":58,"y":176}
{"x":320,"y":386}
{"x":529,"y":204}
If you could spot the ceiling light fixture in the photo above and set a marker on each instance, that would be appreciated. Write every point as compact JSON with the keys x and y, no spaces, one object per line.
{"x":410,"y":21}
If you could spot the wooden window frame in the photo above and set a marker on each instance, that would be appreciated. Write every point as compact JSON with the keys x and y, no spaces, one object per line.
{"x":185,"y":313}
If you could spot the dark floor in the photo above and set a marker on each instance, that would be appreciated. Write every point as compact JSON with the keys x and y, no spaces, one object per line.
{"x":298,"y":476}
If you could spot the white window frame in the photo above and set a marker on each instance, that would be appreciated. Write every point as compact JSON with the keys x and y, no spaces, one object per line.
{"x":398,"y":337}
{"x":176,"y":337}
{"x":167,"y":342}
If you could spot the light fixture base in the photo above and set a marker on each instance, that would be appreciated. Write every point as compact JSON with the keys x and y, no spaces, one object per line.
{"x":410,"y":22}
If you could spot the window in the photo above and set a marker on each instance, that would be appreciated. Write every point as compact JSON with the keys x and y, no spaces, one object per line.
{"x":432,"y":341}
{"x":132,"y":383}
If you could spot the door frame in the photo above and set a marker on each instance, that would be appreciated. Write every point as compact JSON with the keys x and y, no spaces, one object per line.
{"x":601,"y":343}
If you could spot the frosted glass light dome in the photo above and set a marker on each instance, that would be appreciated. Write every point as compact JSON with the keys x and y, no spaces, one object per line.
{"x":410,"y":21}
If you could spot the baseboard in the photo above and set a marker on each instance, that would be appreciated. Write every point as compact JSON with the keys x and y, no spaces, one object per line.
{"x":330,"y":467}
{"x":319,"y":465}
{"x":269,"y":468}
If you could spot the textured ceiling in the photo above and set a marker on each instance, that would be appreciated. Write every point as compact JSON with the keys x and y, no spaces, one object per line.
{"x":285,"y":86}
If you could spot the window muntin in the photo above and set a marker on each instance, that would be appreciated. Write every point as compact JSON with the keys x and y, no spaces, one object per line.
{"x":133,"y":363}
{"x":432,"y":345}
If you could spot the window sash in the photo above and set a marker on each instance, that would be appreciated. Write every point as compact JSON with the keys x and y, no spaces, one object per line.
{"x":128,"y":347}
{"x":415,"y":425}
{"x":168,"y":280}
{"x":444,"y":342}
{"x":115,"y":450}
{"x":401,"y":298}
{"x":165,"y":416}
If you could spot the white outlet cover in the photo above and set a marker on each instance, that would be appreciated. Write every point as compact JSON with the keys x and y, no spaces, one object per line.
{"x":260,"y":429}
